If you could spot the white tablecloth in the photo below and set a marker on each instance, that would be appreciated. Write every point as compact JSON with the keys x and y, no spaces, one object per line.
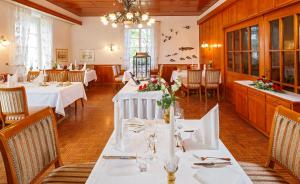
{"x":183,"y":75}
{"x":53,"y":96}
{"x":129,"y":103}
{"x":126,"y":76}
{"x":90,"y":75}
{"x":127,"y":172}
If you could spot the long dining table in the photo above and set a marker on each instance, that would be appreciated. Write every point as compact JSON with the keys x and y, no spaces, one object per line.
{"x":126,"y":171}
{"x":53,"y":94}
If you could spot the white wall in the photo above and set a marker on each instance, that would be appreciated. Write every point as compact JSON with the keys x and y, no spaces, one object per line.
{"x":93,"y":35}
{"x":61,"y":34}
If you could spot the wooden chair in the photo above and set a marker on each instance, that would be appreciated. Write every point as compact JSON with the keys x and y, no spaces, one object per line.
{"x":76,"y":76}
{"x":13,"y":105}
{"x":159,"y":73}
{"x":56,"y":75}
{"x":117,"y":79}
{"x":181,"y":67}
{"x":30,"y":148}
{"x":31,"y":75}
{"x":284,"y":149}
{"x":211,"y":82}
{"x":192,"y":82}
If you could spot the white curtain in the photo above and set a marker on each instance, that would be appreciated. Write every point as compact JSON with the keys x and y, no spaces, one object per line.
{"x":127,"y":64}
{"x":33,"y":39}
{"x":46,"y":26}
{"x":156,"y":43}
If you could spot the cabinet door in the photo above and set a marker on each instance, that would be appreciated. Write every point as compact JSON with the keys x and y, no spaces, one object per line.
{"x":241,"y":100}
{"x":256,"y":106}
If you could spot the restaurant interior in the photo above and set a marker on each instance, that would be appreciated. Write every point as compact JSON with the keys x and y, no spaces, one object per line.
{"x":150,"y":91}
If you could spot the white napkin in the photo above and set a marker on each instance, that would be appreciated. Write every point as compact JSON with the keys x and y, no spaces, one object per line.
{"x":218,"y":175}
{"x":12,"y":80}
{"x":204,"y":67}
{"x":58,"y":67}
{"x":84,"y":67}
{"x":39,"y":78}
{"x":207,"y":135}
{"x":70,"y":67}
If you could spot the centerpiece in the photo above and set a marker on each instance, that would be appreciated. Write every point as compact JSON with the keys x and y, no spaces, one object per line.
{"x":266,"y":84}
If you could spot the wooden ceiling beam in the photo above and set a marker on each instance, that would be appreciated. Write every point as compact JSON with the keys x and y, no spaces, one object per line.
{"x":47,"y":10}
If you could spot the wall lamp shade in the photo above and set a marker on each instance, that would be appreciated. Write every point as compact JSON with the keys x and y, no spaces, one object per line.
{"x":3,"y":41}
{"x":204,"y":45}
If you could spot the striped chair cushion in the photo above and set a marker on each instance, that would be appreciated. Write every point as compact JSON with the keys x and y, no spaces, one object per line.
{"x":119,"y":78}
{"x":118,"y":69}
{"x":33,"y":149}
{"x":194,"y":79}
{"x":77,"y":173}
{"x":12,"y":101}
{"x":212,"y":76}
{"x":191,"y":86}
{"x":76,"y":76}
{"x":32,"y":75}
{"x":286,"y":143}
{"x":56,"y":76}
{"x":261,"y":175}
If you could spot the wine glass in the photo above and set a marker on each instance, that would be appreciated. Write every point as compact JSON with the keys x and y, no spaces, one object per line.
{"x":178,"y":114}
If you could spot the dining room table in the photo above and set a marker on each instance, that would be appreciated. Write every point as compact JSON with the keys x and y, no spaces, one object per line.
{"x":134,"y":164}
{"x":89,"y":76}
{"x":182,"y":74}
{"x":57,"y":95}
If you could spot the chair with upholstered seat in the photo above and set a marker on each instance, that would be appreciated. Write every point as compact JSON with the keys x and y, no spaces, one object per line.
{"x":56,"y":75}
{"x":159,"y":73}
{"x":192,"y":82}
{"x":13,"y":105}
{"x":30,"y":148}
{"x":284,"y":149}
{"x":31,"y":75}
{"x":117,"y":78}
{"x":211,"y":81}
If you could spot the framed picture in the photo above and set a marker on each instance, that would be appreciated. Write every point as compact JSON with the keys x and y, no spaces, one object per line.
{"x":62,"y":55}
{"x":87,"y":55}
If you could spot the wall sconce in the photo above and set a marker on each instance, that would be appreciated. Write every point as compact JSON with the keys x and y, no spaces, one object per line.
{"x":111,"y":47}
{"x":204,"y":45}
{"x":216,"y":45}
{"x":4,"y":42}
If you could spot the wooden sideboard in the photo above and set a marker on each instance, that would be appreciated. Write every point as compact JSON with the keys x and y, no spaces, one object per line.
{"x":257,"y":106}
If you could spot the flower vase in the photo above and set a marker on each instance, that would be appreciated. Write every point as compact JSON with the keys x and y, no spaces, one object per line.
{"x":167,"y":115}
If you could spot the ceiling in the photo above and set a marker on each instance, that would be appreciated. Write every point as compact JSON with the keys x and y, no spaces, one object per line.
{"x":154,"y":7}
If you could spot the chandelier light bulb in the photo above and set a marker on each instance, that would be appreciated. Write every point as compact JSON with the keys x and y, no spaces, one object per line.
{"x":145,"y":17}
{"x":149,"y":23}
{"x":103,"y":19}
{"x":114,"y":25}
{"x":152,"y":20}
{"x":140,"y":26}
{"x":129,"y":15}
{"x":105,"y":23}
{"x":137,"y":14}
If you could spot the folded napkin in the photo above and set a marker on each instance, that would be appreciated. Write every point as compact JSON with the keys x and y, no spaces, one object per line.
{"x":70,"y":67}
{"x":207,"y":135}
{"x":84,"y":67}
{"x":58,"y":67}
{"x":12,"y":80}
{"x":218,"y":175}
{"x":39,"y":78}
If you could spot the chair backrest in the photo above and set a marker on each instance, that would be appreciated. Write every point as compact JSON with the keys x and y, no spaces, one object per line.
{"x":31,"y":75}
{"x":56,"y":75}
{"x":284,"y":145}
{"x":212,"y":76}
{"x":30,"y":147}
{"x":13,"y":103}
{"x":115,"y":72}
{"x":194,"y":77}
{"x":161,"y":70}
{"x":75,"y":76}
{"x":182,"y":67}
{"x":118,"y":69}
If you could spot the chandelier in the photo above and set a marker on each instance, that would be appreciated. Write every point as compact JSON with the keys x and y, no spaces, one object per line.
{"x":132,"y":15}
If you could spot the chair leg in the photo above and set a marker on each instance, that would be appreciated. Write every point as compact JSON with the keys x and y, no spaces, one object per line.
{"x":82,"y":104}
{"x":76,"y":107}
{"x":218,"y":94}
{"x":200,"y":94}
{"x":206,"y":95}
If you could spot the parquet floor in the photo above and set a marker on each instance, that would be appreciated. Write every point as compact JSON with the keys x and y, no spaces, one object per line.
{"x":82,"y":136}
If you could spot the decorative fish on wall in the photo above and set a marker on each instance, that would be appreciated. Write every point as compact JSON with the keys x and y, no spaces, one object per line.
{"x":169,"y":55}
{"x":182,"y":59}
{"x":188,"y":57}
{"x":170,"y":37}
{"x":172,"y":60}
{"x":171,"y":30}
{"x":175,"y":54}
{"x":176,"y":32}
{"x":187,"y":27}
{"x":165,"y":40}
{"x":186,"y":48}
{"x":194,"y":56}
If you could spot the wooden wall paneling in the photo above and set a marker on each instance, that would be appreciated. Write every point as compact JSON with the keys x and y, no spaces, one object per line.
{"x":242,"y":7}
{"x":232,"y":14}
{"x":265,"y":5}
{"x":104,"y":74}
{"x":241,"y":101}
{"x":279,"y":3}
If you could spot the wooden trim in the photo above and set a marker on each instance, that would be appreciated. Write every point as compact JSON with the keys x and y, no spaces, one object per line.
{"x":47,"y":10}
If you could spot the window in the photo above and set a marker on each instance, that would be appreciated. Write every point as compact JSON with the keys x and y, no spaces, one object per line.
{"x":33,"y":35}
{"x":138,"y":40}
{"x":243,"y":50}
{"x":284,"y":53}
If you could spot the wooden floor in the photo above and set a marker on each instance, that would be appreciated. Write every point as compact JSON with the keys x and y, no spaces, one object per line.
{"x":83,"y":136}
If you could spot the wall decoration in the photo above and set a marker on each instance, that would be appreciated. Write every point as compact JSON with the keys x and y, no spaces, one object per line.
{"x":175,"y":54}
{"x":194,"y":56}
{"x":182,"y":59}
{"x":169,"y":55}
{"x":62,"y":55}
{"x":188,"y":57}
{"x":186,"y":48}
{"x":187,"y":27}
{"x":176,"y":32}
{"x":171,"y":30}
{"x":172,"y":60}
{"x":87,"y":55}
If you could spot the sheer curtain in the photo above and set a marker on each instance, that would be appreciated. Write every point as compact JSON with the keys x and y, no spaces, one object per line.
{"x":33,"y":39}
